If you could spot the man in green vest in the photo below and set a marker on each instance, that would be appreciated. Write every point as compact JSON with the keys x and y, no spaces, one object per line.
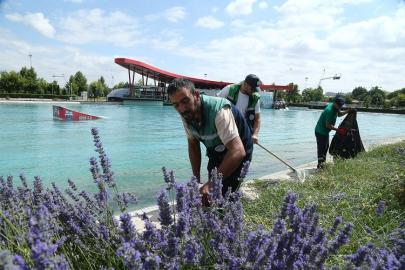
{"x":220,"y":126}
{"x":245,"y":97}
{"x":325,"y":124}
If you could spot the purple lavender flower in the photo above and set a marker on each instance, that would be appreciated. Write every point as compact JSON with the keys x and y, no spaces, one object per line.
{"x":151,"y":262}
{"x":380,"y":208}
{"x":244,"y":171}
{"x":165,"y":215}
{"x":131,"y":257}
{"x":72,"y":184}
{"x":41,"y":226}
{"x":342,"y":239}
{"x":23,"y":179}
{"x":335,"y":226}
{"x":127,"y":227}
{"x":215,"y":195}
{"x":7,"y":260}
{"x":108,"y":175}
{"x":168,"y":176}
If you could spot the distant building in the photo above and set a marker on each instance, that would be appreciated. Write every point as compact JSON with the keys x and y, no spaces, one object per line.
{"x":330,"y":94}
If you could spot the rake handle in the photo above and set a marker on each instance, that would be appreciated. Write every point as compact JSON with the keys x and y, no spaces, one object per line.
{"x":276,"y":157}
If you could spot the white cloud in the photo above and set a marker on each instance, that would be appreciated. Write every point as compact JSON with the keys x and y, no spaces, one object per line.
{"x":209,"y":22}
{"x":239,"y":7}
{"x":74,"y":1}
{"x":215,"y":9}
{"x":175,"y":14}
{"x":263,"y":5}
{"x":85,"y":26}
{"x":36,"y":21}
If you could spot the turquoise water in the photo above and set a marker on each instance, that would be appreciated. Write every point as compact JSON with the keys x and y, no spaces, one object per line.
{"x":140,"y":140}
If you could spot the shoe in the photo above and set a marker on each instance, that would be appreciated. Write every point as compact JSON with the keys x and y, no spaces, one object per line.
{"x":320,"y":166}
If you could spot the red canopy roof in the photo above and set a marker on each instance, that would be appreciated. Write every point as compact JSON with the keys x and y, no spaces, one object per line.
{"x":166,"y":77}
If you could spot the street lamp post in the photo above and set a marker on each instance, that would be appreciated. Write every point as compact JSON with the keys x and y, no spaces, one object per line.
{"x":70,"y":84}
{"x":30,"y":55}
{"x":205,"y":75}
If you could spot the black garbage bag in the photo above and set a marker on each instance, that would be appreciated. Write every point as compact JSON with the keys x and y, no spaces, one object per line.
{"x":349,"y":145}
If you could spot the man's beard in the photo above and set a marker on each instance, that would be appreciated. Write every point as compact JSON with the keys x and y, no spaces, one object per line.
{"x":189,"y":115}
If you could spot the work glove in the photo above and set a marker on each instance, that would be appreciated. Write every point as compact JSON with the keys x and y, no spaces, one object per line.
{"x":351,"y":110}
{"x":341,"y":131}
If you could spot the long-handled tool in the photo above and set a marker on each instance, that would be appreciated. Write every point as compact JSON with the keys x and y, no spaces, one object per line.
{"x":300,"y":175}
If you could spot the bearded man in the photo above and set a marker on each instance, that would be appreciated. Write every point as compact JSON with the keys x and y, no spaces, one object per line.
{"x":220,"y":126}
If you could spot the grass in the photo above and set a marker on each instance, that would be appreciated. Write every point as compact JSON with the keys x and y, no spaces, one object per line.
{"x":351,"y":188}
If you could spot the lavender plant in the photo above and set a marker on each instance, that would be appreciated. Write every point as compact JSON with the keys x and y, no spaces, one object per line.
{"x":45,"y":228}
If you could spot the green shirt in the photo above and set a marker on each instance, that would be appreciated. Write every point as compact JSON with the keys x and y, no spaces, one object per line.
{"x":328,"y":115}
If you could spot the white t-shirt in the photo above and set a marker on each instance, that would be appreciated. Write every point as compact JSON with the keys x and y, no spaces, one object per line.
{"x":241,"y":103}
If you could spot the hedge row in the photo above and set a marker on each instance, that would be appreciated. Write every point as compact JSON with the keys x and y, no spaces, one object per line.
{"x":27,"y":95}
{"x":372,"y":110}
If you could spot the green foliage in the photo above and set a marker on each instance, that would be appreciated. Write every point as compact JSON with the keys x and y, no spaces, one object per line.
{"x":318,"y":95}
{"x":400,"y":100}
{"x":81,"y":83}
{"x":308,"y":94}
{"x":349,"y":188}
{"x":395,"y":93}
{"x":11,"y":82}
{"x":377,"y":99}
{"x":376,"y":90}
{"x":121,"y":85}
{"x":98,"y":88}
{"x":28,"y":95}
{"x":359,"y":93}
{"x":293,"y":95}
{"x":348,"y":98}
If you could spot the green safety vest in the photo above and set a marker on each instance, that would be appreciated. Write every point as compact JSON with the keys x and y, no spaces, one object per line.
{"x":253,"y":99}
{"x":207,"y":132}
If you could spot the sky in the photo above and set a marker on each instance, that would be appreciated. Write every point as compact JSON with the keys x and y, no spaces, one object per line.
{"x":306,"y":42}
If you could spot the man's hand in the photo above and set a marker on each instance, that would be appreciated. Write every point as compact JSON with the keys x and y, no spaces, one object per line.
{"x":205,"y":190}
{"x":341,"y":131}
{"x":255,"y":139}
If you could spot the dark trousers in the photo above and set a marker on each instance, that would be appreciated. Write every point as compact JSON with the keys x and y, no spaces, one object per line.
{"x":232,"y":180}
{"x":322,"y":142}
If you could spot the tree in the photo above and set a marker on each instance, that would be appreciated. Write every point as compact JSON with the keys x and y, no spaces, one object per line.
{"x":103,"y":88}
{"x":96,"y":89}
{"x":395,"y":93}
{"x":318,"y":94}
{"x":42,"y":87}
{"x":308,"y":94}
{"x":400,"y":100}
{"x":29,"y":79}
{"x":80,"y":82}
{"x":293,"y":95}
{"x":377,"y":90}
{"x":11,"y":82}
{"x":359,"y":92}
{"x":121,"y":85}
{"x":280,"y":94}
{"x":366,"y":101}
{"x":377,"y":99}
{"x":348,"y":98}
